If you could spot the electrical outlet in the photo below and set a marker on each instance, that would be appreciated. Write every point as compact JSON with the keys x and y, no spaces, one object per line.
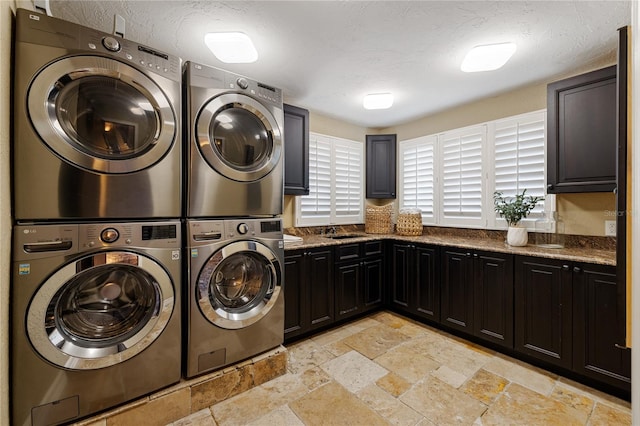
{"x":610,"y":228}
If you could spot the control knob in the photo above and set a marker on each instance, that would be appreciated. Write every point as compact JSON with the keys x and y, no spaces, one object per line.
{"x":109,"y":235}
{"x":111,"y":44}
{"x":243,"y":228}
{"x":242,"y":83}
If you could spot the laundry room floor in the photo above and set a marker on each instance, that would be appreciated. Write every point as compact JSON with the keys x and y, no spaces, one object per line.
{"x":386,"y":369}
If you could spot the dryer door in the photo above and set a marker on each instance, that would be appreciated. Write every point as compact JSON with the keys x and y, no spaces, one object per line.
{"x":100,"y":310}
{"x":239,"y":284}
{"x":239,"y":137}
{"x":100,"y":114}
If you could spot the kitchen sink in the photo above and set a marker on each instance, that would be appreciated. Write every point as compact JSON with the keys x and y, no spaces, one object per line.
{"x":343,"y":236}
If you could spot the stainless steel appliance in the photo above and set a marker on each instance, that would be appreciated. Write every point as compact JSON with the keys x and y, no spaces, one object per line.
{"x":235,"y":305}
{"x":97,"y":125}
{"x":95,"y":317}
{"x":235,"y":144}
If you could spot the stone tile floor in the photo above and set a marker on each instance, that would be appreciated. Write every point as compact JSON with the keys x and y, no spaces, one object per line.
{"x":385,"y":369}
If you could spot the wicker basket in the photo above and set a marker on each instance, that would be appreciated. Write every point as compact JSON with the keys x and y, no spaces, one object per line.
{"x":378,"y":219}
{"x":409,"y":222}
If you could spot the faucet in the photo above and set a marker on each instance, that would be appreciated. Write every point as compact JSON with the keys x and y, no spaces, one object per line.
{"x":329,"y":230}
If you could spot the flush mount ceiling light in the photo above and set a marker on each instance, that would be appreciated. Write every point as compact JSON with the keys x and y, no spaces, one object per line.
{"x":231,"y":48}
{"x":378,"y":101}
{"x":488,"y":57}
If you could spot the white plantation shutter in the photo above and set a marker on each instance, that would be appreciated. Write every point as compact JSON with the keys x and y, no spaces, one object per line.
{"x":348,"y":178}
{"x":417,"y":175}
{"x":335,"y":183}
{"x":462,"y":179}
{"x":318,"y":202}
{"x":519,"y":156}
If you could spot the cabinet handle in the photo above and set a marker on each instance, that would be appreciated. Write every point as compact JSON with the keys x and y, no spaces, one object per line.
{"x":475,"y":255}
{"x":565,"y":267}
{"x":469,"y":254}
{"x":550,"y":186}
{"x":576,"y":269}
{"x":624,"y":347}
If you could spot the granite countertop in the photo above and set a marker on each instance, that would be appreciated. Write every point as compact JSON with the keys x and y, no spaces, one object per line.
{"x":599,"y":255}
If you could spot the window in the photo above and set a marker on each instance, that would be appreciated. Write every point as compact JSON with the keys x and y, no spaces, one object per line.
{"x":417,"y":174}
{"x":336,"y":193}
{"x":451,"y":176}
{"x":519,"y":159}
{"x":462,"y":182}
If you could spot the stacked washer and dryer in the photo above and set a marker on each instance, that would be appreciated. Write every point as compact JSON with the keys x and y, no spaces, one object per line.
{"x":141,"y":253}
{"x":233,"y":202}
{"x":96,"y":279}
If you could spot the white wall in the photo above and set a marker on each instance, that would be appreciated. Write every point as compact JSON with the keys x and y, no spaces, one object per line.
{"x":7,"y":13}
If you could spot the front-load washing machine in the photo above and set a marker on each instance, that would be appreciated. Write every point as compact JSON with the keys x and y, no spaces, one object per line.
{"x":235,"y":153}
{"x":97,"y":125}
{"x":235,"y":301}
{"x":95,"y":317}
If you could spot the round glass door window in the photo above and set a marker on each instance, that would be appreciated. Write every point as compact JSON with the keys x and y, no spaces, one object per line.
{"x":102,"y":115}
{"x":107,"y":118}
{"x":239,"y":285}
{"x":100,"y":310}
{"x":239,"y":137}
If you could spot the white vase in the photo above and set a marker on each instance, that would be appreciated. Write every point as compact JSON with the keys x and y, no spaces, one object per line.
{"x":517,"y":236}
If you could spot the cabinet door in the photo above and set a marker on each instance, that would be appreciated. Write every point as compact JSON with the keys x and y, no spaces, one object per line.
{"x":582,"y":133}
{"x":543,"y":309}
{"x":372,"y":282}
{"x":493,"y":297}
{"x":381,"y":166}
{"x":401,"y":275}
{"x":348,"y":289}
{"x":427,"y":283}
{"x":596,"y":351}
{"x":456,"y":302}
{"x":296,"y":150}
{"x":295,"y":306}
{"x":319,"y":273}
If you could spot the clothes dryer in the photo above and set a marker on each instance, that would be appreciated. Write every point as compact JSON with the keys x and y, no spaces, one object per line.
{"x":97,"y":125}
{"x":235,"y":304}
{"x":235,"y":144}
{"x":95,"y":317}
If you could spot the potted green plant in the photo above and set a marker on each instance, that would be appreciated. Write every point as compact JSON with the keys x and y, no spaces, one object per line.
{"x":513,"y":210}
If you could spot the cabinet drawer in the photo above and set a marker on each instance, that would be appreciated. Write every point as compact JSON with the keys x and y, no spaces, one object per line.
{"x":373,"y":248}
{"x":347,"y":252}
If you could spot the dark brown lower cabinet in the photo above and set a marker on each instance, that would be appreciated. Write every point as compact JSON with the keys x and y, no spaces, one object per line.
{"x":597,"y":353}
{"x":543,"y":309}
{"x":359,"y":277}
{"x":308,"y":290}
{"x":493,"y":297}
{"x":456,"y":301}
{"x":567,"y":314}
{"x":415,"y":280}
{"x":477,"y":294}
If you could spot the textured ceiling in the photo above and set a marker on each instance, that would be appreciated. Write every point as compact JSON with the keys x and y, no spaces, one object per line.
{"x":327,"y":55}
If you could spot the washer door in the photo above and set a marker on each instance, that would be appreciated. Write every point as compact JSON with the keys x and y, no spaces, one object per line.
{"x":239,"y":284}
{"x":100,"y":310}
{"x":100,"y":114}
{"x":239,"y":137}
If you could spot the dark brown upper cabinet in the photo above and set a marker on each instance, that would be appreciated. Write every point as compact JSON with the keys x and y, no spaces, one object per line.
{"x":381,"y":166}
{"x":296,"y":150}
{"x":582,"y":133}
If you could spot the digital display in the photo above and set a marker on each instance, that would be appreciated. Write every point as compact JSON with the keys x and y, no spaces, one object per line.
{"x":153,"y":52}
{"x":159,"y":232}
{"x":271,"y":226}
